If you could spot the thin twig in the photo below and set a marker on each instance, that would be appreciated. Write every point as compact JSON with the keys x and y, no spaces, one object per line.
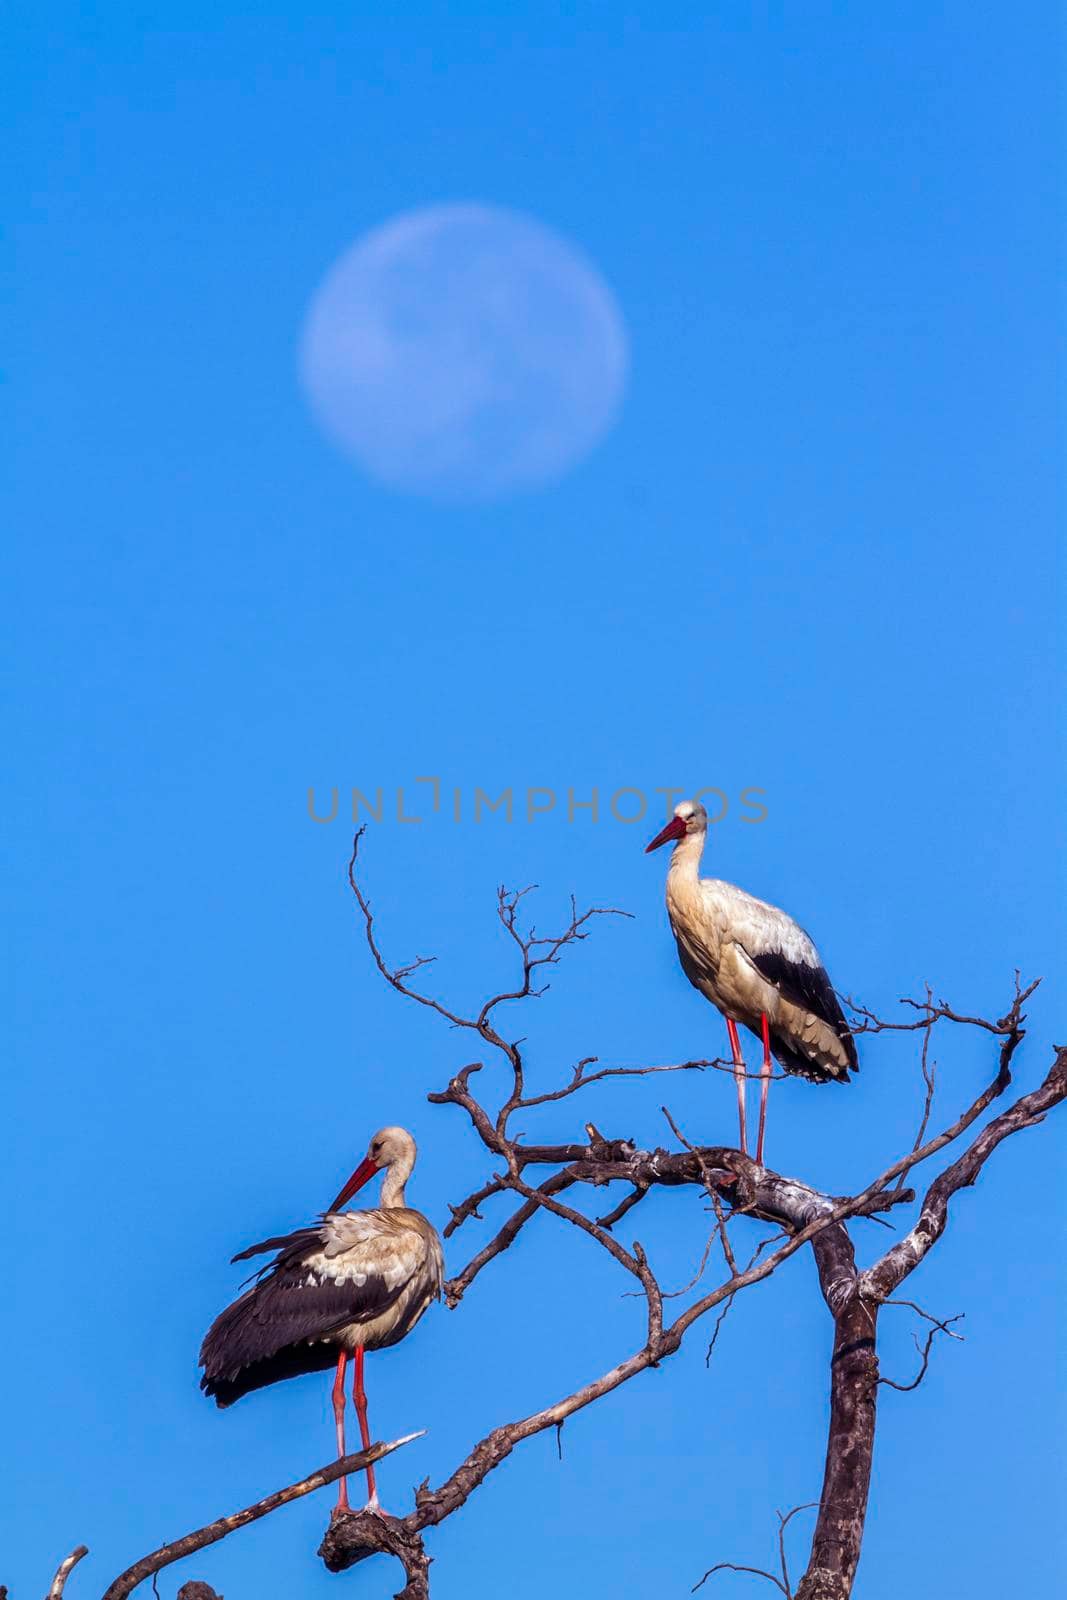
{"x":626,"y":1204}
{"x":733,"y":1566}
{"x":940,"y":1012}
{"x":929,"y":1072}
{"x":469,"y":1207}
{"x":719,"y":1320}
{"x":583,"y":1080}
{"x":923,"y":1349}
{"x":783,"y":1523}
{"x":675,"y":1294}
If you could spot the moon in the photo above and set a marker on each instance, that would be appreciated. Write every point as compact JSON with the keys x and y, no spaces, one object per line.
{"x":464,"y":353}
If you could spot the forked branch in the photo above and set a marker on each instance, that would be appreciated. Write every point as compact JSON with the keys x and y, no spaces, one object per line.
{"x":735,"y":1186}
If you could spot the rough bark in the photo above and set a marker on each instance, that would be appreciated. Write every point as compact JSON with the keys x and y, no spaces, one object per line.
{"x":854,"y":1301}
{"x":838,"y":1537}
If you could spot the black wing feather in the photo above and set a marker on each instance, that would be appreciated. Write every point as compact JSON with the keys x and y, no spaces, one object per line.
{"x":292,"y":1362}
{"x":277,"y":1328}
{"x":810,"y":988}
{"x":285,"y":1243}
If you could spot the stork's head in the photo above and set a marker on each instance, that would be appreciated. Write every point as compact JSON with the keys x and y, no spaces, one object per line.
{"x":391,"y":1147}
{"x":689,"y":818}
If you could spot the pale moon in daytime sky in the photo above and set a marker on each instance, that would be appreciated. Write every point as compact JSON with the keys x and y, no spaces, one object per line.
{"x":465,"y":353}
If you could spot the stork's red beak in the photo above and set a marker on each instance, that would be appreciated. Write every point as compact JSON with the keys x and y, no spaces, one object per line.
{"x":674,"y":830}
{"x":363,"y":1174}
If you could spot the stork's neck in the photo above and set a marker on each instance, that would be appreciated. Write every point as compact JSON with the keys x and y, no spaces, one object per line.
{"x":685,"y":858}
{"x":393,"y":1185}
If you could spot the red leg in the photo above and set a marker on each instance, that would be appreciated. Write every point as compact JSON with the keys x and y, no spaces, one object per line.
{"x":765,"y":1085}
{"x":359,"y":1398}
{"x":339,"y":1419}
{"x":739,"y":1078}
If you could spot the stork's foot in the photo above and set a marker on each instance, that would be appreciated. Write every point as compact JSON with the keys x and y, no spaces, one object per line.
{"x":373,"y":1508}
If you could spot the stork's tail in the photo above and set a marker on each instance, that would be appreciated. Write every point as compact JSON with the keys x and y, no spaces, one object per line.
{"x":829,"y":1058}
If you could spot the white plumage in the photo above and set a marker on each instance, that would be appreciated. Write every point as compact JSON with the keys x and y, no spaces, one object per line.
{"x":755,"y":964}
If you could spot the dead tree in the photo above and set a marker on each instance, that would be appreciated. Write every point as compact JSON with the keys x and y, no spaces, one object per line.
{"x":550,"y":1179}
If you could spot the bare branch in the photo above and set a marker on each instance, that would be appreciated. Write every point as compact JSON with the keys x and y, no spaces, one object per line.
{"x":64,"y":1570}
{"x":1009,"y":1027}
{"x":582,"y":1080}
{"x":352,"y":1539}
{"x":543,"y":1197}
{"x":929,"y":1072}
{"x":783,"y":1523}
{"x":937,"y":1322}
{"x":676,"y":1294}
{"x":716,"y":1330}
{"x":731,"y":1566}
{"x":395,"y":977}
{"x":854,"y":1370}
{"x":733,"y":1184}
{"x":764,"y":1191}
{"x":626,"y":1204}
{"x":879,"y":1281}
{"x":536,"y":953}
{"x":708,"y":1178}
{"x":924,"y":1351}
{"x":177,"y":1549}
{"x":455,"y":1288}
{"x":469,"y":1206}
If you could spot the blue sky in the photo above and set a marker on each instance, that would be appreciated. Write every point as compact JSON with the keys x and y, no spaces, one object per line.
{"x":817,"y":555}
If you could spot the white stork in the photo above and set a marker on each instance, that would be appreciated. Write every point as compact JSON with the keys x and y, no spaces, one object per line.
{"x":354,"y":1281}
{"x":756,"y":965}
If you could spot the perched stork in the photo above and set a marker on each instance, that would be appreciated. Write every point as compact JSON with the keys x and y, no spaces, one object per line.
{"x":352,"y":1282}
{"x":756,"y":965}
